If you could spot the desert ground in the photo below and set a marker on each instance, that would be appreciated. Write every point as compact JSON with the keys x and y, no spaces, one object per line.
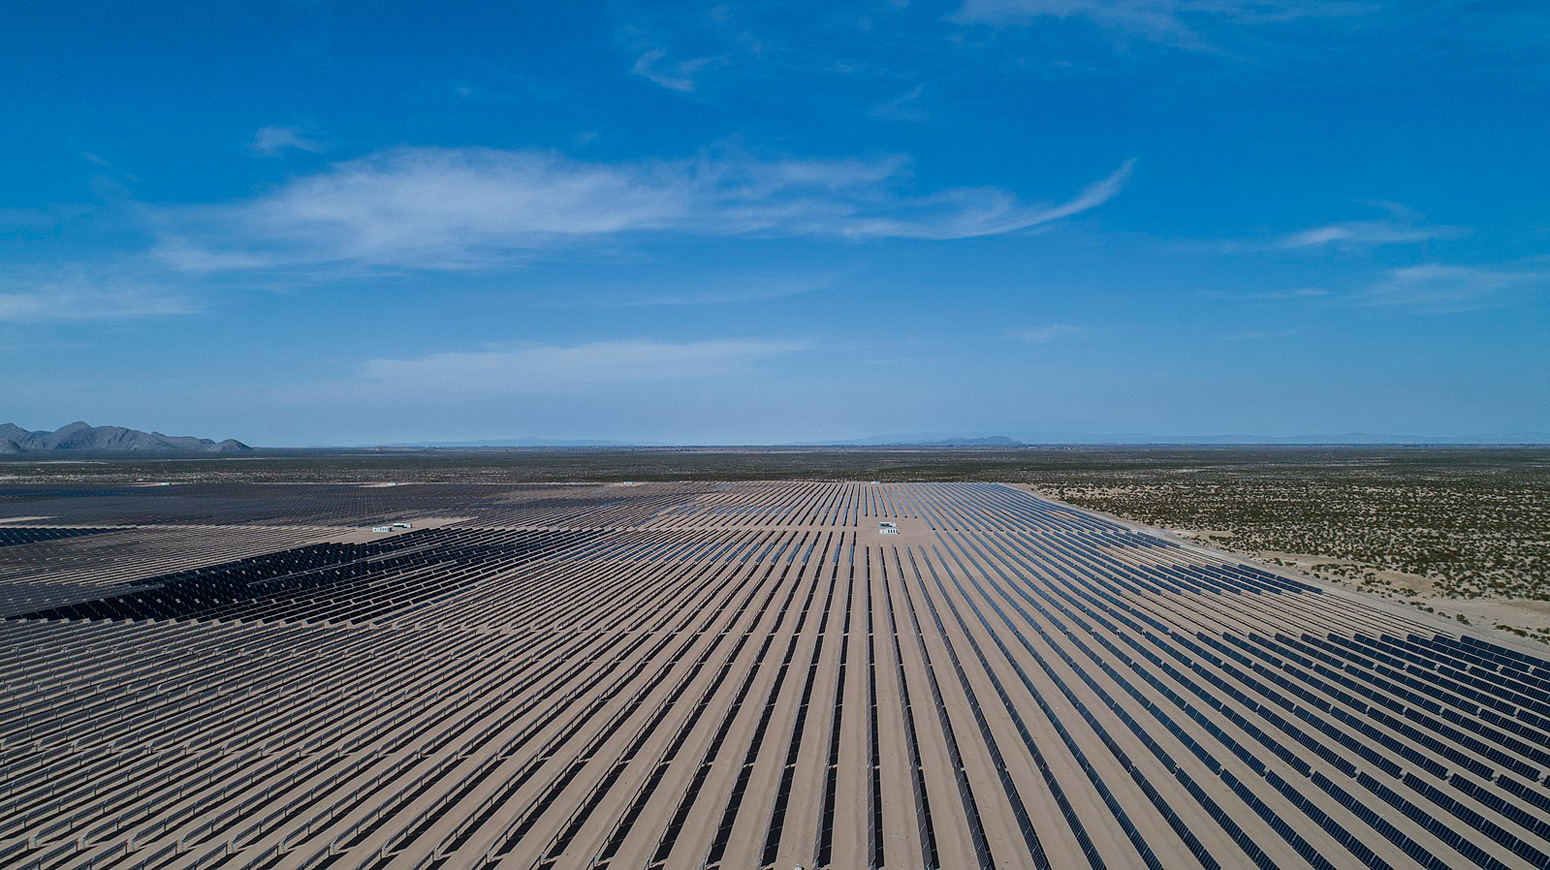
{"x":729,"y":674}
{"x":1461,"y":531}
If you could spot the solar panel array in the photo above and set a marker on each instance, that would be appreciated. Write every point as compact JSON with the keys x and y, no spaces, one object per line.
{"x":724,"y":676}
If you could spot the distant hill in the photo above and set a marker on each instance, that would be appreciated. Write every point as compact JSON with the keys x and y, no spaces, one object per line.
{"x":990,"y":441}
{"x":519,"y":442}
{"x":1341,"y":438}
{"x":1030,"y":439}
{"x":920,"y":441}
{"x":85,"y":437}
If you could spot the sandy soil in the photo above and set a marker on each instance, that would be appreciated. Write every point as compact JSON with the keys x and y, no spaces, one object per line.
{"x":1518,"y":617}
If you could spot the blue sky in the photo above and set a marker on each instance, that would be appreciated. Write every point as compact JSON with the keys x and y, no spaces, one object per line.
{"x":338,"y":223}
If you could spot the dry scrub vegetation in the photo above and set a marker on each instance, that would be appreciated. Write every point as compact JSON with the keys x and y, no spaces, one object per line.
{"x":1464,"y":523}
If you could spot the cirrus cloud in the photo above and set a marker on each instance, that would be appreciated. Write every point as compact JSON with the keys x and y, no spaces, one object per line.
{"x":1443,"y":289}
{"x":470,"y":208}
{"x":1169,"y":22}
{"x":273,"y":140}
{"x":77,"y":294}
{"x":1400,"y":226}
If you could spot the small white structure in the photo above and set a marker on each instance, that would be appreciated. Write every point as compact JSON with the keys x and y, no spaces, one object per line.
{"x":403,"y":525}
{"x":382,"y":528}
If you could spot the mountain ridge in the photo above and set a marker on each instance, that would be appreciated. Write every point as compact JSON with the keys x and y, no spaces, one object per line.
{"x":84,"y":437}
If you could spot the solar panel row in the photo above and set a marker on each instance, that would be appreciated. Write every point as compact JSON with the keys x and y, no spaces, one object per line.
{"x":730,"y":675}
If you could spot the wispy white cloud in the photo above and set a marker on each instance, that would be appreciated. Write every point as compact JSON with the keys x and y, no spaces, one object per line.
{"x":1158,"y":19}
{"x":1047,"y":334}
{"x":439,"y":208}
{"x":1440,"y":289}
{"x":1170,"y":22}
{"x":655,"y":60}
{"x":1263,"y":295}
{"x":273,"y":140}
{"x":967,"y":212}
{"x":74,"y":295}
{"x":1364,"y":234}
{"x":1399,"y":226}
{"x":654,"y":66}
{"x":1402,"y":226}
{"x":548,"y":368}
{"x":904,"y":107}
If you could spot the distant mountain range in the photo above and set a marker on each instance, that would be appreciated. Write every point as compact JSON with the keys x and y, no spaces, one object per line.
{"x":85,"y":437}
{"x":923,"y":441}
{"x":991,"y":441}
{"x":1047,"y":438}
{"x":1030,"y":439}
{"x":520,"y":442}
